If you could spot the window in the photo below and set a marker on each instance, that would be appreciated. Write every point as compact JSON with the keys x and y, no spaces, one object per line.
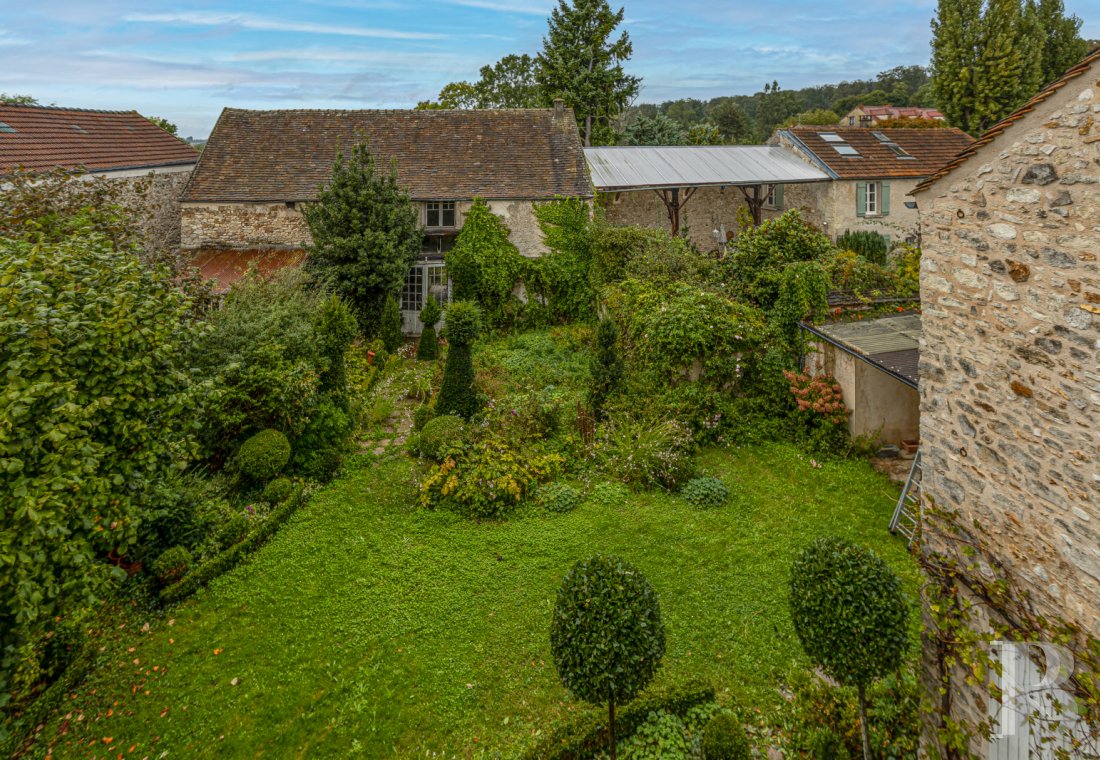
{"x":872,"y":199}
{"x":774,"y":198}
{"x":439,"y":287}
{"x":441,"y":214}
{"x":412,"y":294}
{"x":6,"y":127}
{"x":871,"y":209}
{"x":851,"y":121}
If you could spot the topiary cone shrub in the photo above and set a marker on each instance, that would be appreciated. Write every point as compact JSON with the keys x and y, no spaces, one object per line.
{"x":263,"y":456}
{"x":606,"y":636}
{"x":428,"y":347}
{"x":607,"y":367}
{"x":850,"y":615}
{"x":457,"y":393}
{"x":390,"y":331}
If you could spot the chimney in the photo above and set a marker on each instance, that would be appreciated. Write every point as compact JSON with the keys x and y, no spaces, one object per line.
{"x":559,"y":108}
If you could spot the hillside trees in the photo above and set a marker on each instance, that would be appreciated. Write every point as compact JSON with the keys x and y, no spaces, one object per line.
{"x":366,"y":234}
{"x":582,"y":63}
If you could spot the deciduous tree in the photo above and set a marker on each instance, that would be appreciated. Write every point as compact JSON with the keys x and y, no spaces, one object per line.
{"x":658,"y":130}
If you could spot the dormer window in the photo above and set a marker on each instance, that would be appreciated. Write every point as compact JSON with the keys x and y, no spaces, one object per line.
{"x":440,"y":214}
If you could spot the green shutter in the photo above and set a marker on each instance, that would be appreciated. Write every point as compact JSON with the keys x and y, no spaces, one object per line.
{"x":885,"y":201}
{"x":779,"y":196}
{"x":861,"y":199}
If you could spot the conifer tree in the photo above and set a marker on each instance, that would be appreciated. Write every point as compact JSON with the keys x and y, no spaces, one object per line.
{"x":366,"y":234}
{"x":607,"y":367}
{"x":986,"y":59}
{"x":1063,"y":45}
{"x":390,"y":330}
{"x":581,"y":64}
{"x":428,"y":347}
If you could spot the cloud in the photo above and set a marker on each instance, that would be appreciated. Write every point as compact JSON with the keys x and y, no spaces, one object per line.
{"x":264,"y":24}
{"x":503,"y":6}
{"x":7,"y":38}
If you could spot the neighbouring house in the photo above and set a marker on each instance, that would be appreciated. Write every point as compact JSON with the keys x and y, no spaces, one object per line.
{"x":119,"y":146}
{"x":244,"y":201}
{"x":694,"y":190}
{"x":871,"y":170}
{"x":875,"y":363}
{"x":869,"y":116}
{"x":1010,"y":380}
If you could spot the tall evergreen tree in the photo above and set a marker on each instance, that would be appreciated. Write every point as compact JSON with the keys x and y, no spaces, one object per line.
{"x":583,"y":65}
{"x":659,"y":130}
{"x":1063,"y":45}
{"x":366,"y":234}
{"x":986,"y":59}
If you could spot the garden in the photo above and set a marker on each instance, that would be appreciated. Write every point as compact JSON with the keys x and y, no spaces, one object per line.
{"x":602,"y":512}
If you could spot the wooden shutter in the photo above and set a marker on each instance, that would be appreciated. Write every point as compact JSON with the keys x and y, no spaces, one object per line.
{"x":779,"y":196}
{"x":884,"y":199}
{"x":861,"y":199}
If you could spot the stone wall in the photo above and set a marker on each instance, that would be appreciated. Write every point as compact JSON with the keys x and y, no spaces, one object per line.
{"x":1010,"y":361}
{"x":709,"y":209}
{"x":277,"y":225}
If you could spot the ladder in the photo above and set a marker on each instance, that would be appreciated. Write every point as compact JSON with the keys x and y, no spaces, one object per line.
{"x":907,"y":511}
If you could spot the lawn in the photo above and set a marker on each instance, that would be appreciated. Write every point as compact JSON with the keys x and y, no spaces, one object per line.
{"x":367,"y":627}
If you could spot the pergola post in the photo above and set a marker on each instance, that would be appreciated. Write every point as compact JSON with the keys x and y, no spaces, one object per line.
{"x":673,"y":205}
{"x":756,"y":201}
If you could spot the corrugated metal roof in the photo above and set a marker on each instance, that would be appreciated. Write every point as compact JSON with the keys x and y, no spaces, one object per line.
{"x":890,"y":343}
{"x":637,"y":167}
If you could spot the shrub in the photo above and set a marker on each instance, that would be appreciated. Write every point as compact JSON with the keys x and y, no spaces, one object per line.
{"x":484,"y":265}
{"x":335,"y":330}
{"x":457,"y":393}
{"x":754,"y":267}
{"x":850,"y":272}
{"x":820,"y":418}
{"x":850,"y":616}
{"x":427,"y":349}
{"x":646,"y":453}
{"x":606,"y":634}
{"x":278,"y":491}
{"x":613,"y":247}
{"x":366,"y":234}
{"x":725,"y":739}
{"x":867,"y":243}
{"x":390,"y":329}
{"x":826,"y":745}
{"x":233,"y":530}
{"x":607,"y":367}
{"x":322,"y":465}
{"x":706,"y":492}
{"x":562,"y":277}
{"x":671,"y":260}
{"x":182,"y":515}
{"x":803,"y":289}
{"x":559,"y":497}
{"x":422,"y":415}
{"x":99,"y":407}
{"x":329,"y":428}
{"x":172,"y":565}
{"x":486,"y":479}
{"x":263,"y":456}
{"x":442,"y":435}
{"x":661,"y":737}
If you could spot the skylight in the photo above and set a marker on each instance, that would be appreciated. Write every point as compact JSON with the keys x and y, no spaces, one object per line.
{"x":831,"y":137}
{"x":6,"y":127}
{"x":78,"y":129}
{"x":845,"y":149}
{"x":896,"y":149}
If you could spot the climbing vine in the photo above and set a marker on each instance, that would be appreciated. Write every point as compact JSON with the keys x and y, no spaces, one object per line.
{"x":972,"y":600}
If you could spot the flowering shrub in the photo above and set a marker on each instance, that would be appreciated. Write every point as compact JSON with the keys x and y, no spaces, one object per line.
{"x":645,"y":453}
{"x":486,"y":478}
{"x":820,"y":416}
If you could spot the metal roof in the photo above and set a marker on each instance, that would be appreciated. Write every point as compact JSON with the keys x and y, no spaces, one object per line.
{"x":890,"y":343}
{"x":642,"y":167}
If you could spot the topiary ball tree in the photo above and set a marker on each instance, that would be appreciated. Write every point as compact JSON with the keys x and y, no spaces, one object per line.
{"x":263,"y":456}
{"x":850,"y":615}
{"x":457,"y":393}
{"x":606,"y":636}
{"x":428,"y":347}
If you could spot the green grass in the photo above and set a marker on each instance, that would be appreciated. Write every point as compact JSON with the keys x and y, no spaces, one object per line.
{"x":369,"y":628}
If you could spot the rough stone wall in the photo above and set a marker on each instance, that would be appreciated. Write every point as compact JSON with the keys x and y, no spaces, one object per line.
{"x":709,"y":209}
{"x":158,"y":208}
{"x":251,"y":225}
{"x":1010,"y":356}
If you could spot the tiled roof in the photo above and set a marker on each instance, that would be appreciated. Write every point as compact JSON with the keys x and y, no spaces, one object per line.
{"x":901,"y":112}
{"x":40,"y":138}
{"x":227,"y":266}
{"x":993,"y":132}
{"x":439,"y":154}
{"x":929,"y":150}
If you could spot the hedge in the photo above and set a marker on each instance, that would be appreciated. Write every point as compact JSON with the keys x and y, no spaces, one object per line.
{"x":229,"y":559}
{"x":586,"y":736}
{"x":15,"y":732}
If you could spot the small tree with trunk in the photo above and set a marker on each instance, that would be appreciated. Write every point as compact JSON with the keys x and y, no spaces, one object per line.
{"x":850,"y":615}
{"x":366,"y":235}
{"x":428,"y":347}
{"x":457,"y":393}
{"x":606,"y":635}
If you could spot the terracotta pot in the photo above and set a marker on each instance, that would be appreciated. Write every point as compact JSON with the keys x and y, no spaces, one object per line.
{"x":370,"y":357}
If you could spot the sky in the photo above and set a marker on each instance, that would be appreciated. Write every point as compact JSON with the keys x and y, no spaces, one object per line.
{"x":186,"y":62}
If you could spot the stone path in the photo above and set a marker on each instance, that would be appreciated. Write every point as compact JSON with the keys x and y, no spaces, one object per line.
{"x":395,"y":431}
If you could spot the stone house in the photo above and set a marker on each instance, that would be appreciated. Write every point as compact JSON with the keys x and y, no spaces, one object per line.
{"x":259,"y":168}
{"x":1010,"y":363}
{"x":118,"y":146}
{"x":870,"y":116}
{"x":872,"y":172}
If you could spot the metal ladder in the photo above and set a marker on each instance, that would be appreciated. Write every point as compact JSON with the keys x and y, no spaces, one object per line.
{"x":907,"y":511}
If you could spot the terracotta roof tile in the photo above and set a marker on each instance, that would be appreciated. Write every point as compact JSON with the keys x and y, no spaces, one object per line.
{"x":993,"y":132}
{"x":455,"y":155}
{"x":901,"y":112}
{"x":929,"y":148}
{"x":40,"y":138}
